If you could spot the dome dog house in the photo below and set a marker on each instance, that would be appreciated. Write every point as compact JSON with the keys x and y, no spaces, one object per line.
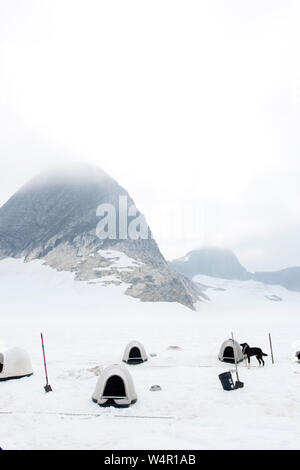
{"x":14,"y":364}
{"x":115,"y":388}
{"x":134,"y":353}
{"x":229,"y":350}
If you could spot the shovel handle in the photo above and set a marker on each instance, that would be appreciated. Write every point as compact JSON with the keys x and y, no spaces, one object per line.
{"x":45,"y":365}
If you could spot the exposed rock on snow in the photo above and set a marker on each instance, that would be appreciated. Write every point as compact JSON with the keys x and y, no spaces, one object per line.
{"x":275,"y":298}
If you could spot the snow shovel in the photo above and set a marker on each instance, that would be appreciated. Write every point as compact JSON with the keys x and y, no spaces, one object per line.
{"x":47,"y":387}
{"x":238,"y":384}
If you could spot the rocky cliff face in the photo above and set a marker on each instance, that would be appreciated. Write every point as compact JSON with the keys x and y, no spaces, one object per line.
{"x":54,"y":218}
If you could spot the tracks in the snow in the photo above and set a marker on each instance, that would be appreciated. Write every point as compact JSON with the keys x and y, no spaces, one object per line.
{"x":89,"y":415}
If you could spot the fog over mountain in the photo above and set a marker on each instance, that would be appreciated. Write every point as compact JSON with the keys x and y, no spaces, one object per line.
{"x":204,"y":113}
{"x":53,"y":218}
{"x":223,"y":263}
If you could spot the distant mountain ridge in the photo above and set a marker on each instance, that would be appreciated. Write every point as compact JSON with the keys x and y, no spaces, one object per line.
{"x":53,"y":217}
{"x":211,"y":261}
{"x":288,"y":277}
{"x":223,"y":263}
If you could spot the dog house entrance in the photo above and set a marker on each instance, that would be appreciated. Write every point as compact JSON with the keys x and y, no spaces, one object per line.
{"x":114,"y":388}
{"x":228,"y":355}
{"x":134,"y":356}
{"x":135,"y":353}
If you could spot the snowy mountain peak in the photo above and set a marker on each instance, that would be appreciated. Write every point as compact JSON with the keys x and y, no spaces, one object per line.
{"x":68,"y":214}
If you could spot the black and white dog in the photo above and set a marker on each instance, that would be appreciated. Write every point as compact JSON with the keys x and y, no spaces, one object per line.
{"x":253,"y":352}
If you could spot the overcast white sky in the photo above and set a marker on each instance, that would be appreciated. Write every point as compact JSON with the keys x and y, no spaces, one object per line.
{"x":193,"y":106}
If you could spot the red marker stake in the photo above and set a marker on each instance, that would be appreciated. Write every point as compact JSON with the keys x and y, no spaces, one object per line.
{"x":47,"y":386}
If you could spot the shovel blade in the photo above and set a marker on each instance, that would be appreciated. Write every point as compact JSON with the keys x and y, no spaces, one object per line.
{"x":239,"y":384}
{"x":48,"y":388}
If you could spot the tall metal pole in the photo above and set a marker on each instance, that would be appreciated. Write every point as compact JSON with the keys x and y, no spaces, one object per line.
{"x":234,"y":354}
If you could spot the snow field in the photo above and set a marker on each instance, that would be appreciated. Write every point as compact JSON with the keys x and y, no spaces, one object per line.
{"x":86,"y":326}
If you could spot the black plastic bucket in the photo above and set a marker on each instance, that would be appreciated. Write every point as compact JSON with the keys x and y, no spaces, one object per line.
{"x":226,"y":381}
